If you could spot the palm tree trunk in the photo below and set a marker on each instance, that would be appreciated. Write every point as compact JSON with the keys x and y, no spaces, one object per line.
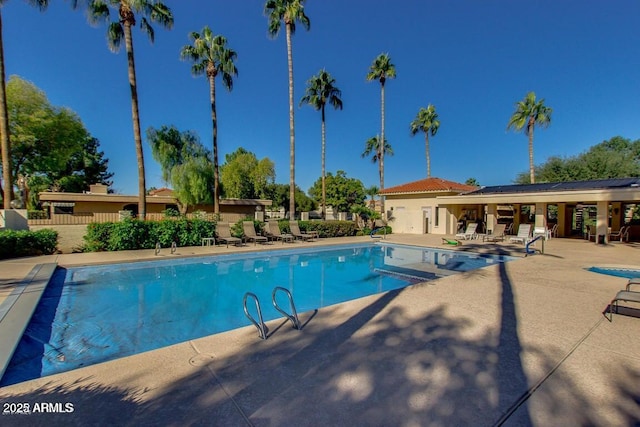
{"x":426,"y":145}
{"x":214,"y":120}
{"x":292,"y":137}
{"x":4,"y":131}
{"x":324,"y":188}
{"x":381,"y":160}
{"x":135,"y":115}
{"x":532,"y":177}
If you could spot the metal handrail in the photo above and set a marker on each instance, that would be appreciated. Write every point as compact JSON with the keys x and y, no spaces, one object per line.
{"x":262,"y":328}
{"x":293,"y":317}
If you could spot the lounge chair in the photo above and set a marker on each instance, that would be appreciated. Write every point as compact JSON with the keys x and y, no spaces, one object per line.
{"x":627,"y":295}
{"x":497,"y":234}
{"x":250,"y":233}
{"x":274,"y":231}
{"x":295,"y":230}
{"x":469,"y":233}
{"x":524,"y":234}
{"x":224,"y":234}
{"x":622,"y":234}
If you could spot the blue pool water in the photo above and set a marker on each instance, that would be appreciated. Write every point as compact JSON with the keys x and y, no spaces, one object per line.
{"x":93,"y":314}
{"x":627,"y":273}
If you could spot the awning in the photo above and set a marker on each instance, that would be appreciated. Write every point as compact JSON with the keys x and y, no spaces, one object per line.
{"x":63,"y":204}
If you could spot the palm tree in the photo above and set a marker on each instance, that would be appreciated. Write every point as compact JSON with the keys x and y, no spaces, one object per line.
{"x":320,"y":90}
{"x":426,"y":121}
{"x":382,"y":69}
{"x":5,"y":139}
{"x":99,"y":10}
{"x":530,"y":113}
{"x":211,"y":55}
{"x":373,"y":146}
{"x":372,"y":192}
{"x":288,"y":11}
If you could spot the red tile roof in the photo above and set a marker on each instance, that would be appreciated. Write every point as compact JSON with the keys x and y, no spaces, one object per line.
{"x":429,"y":185}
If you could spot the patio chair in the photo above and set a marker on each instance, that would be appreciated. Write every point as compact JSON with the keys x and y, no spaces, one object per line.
{"x":622,"y":234}
{"x":295,"y":230}
{"x":497,"y":234}
{"x":524,"y":234}
{"x":508,"y":229}
{"x":274,"y":231}
{"x":591,"y":232}
{"x":627,"y":295}
{"x":541,"y":231}
{"x":553,"y":232}
{"x":223,"y":231}
{"x":469,"y":233}
{"x":250,"y":233}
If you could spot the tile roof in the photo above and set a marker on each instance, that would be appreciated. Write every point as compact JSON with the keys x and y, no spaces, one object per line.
{"x":430,"y":185}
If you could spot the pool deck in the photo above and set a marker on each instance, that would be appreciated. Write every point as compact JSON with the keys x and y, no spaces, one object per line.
{"x":519,"y":344}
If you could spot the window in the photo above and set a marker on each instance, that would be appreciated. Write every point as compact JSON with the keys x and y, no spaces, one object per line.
{"x":436,"y":220}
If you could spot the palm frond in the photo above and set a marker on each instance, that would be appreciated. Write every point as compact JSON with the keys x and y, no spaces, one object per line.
{"x":115,"y":34}
{"x":147,"y":28}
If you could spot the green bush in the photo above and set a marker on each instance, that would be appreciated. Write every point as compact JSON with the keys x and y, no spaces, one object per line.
{"x":324,"y":228}
{"x":135,"y":234}
{"x":15,"y":244}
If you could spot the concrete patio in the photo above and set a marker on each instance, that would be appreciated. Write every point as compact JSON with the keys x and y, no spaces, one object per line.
{"x":519,"y":344}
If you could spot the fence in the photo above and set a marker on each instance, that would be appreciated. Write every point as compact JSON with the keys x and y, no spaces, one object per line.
{"x":84,"y":218}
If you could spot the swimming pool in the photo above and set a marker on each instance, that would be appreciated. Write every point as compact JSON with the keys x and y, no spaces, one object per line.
{"x":93,"y":314}
{"x":628,"y":273}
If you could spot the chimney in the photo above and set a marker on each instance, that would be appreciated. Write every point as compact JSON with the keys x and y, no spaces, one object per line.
{"x":98,"y":189}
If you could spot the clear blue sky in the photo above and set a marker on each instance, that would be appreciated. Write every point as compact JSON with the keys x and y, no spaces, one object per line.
{"x":471,"y":59}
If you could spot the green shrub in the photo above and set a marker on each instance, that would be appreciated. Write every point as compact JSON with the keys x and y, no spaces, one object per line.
{"x":135,"y":234}
{"x":27,"y":243}
{"x":324,"y":228}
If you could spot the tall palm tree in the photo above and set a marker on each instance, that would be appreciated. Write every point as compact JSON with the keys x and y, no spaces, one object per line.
{"x":289,"y":12}
{"x":320,"y":90}
{"x":373,"y":146}
{"x":530,"y":113}
{"x":382,"y":69}
{"x":155,"y":11}
{"x":426,"y":121}
{"x":211,"y":55}
{"x":5,"y":139}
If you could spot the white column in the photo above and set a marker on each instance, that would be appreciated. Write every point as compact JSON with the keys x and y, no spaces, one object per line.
{"x":602,"y":221}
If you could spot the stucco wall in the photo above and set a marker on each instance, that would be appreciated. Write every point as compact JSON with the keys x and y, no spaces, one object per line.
{"x":408,"y":215}
{"x":69,"y":236}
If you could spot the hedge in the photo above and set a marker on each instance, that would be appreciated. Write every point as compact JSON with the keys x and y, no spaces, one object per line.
{"x":15,"y":244}
{"x":136,"y":234}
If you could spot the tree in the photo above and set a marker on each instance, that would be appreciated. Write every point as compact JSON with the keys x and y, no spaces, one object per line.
{"x":342,"y":192}
{"x":157,"y":12}
{"x":211,"y":55}
{"x":372,"y":146}
{"x":51,"y":148}
{"x":616,"y":158}
{"x":289,"y":12}
{"x":472,"y":181}
{"x":426,"y":121}
{"x":279,"y":195}
{"x":382,"y":69}
{"x":243,"y":176}
{"x":372,"y":192}
{"x":528,"y":114}
{"x":185,"y":164}
{"x":5,"y":138}
{"x":320,"y":90}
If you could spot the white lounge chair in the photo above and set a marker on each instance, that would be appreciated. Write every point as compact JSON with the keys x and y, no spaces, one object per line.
{"x":523,"y":236}
{"x":470,"y":232}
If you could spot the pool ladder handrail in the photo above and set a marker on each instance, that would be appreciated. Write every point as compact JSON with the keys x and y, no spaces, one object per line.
{"x":293,"y":317}
{"x":263,"y":331}
{"x":262,"y":328}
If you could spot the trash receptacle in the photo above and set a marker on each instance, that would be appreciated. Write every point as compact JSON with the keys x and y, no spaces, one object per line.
{"x":601,"y":239}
